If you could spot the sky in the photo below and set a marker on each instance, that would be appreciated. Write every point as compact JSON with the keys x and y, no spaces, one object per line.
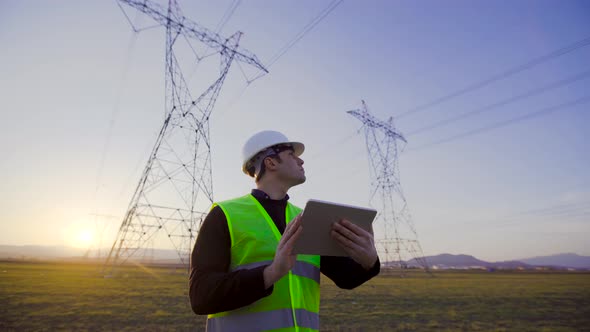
{"x":491,"y":96}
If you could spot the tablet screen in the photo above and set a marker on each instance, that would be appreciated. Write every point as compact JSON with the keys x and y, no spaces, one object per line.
{"x":317,"y":220}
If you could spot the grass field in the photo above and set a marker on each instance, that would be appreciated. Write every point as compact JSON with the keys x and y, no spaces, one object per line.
{"x":54,"y":297}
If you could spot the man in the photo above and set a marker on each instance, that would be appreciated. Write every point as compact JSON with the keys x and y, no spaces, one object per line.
{"x":244,"y":275}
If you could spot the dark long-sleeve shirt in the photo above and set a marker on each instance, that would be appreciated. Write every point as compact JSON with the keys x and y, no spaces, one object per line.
{"x":212,"y":288}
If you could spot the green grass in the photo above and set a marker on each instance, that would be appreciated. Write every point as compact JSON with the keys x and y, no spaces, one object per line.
{"x":54,"y":297}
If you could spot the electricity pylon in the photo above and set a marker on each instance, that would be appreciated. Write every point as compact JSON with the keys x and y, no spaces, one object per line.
{"x":395,"y":235}
{"x":176,"y":188}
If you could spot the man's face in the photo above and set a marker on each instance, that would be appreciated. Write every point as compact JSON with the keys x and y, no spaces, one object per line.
{"x":290,"y":169}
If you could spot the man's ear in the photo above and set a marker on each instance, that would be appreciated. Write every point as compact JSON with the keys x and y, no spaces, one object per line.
{"x":269,"y":163}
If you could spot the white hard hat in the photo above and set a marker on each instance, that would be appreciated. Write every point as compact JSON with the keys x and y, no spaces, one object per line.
{"x":265,"y":139}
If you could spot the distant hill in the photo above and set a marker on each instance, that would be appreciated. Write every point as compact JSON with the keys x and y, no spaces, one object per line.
{"x":450,"y":261}
{"x":455,"y":260}
{"x":442,"y":261}
{"x":64,"y":252}
{"x":31,"y":251}
{"x":561,"y":260}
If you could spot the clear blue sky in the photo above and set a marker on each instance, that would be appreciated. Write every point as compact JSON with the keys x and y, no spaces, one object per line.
{"x":82,"y":99}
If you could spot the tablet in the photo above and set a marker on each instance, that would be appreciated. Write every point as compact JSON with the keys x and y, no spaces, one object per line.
{"x":318,"y":217}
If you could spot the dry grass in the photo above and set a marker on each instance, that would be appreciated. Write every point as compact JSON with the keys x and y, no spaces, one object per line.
{"x":54,"y":297}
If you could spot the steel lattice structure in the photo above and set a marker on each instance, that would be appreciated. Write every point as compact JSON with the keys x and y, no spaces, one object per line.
{"x":395,"y":235}
{"x":175,"y":189}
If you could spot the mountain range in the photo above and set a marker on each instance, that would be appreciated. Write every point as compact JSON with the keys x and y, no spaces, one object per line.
{"x":442,"y":261}
{"x":449,"y":261}
{"x":568,"y":260}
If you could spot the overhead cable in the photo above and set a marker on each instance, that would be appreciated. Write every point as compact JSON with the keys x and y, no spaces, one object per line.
{"x":227,"y":15}
{"x":315,"y":21}
{"x":530,"y":93}
{"x":503,"y":75}
{"x":304,"y":31}
{"x":497,"y":125}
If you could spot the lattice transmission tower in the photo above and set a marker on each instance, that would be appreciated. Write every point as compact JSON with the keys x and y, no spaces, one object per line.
{"x":395,"y":235}
{"x":175,"y":189}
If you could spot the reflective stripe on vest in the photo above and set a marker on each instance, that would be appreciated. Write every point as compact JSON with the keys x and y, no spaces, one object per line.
{"x":265,"y":320}
{"x":302,"y":269}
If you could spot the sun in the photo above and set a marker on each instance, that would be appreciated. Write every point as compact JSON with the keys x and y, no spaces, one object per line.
{"x":83,"y":238}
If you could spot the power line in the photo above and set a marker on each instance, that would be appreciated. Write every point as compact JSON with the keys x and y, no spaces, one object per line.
{"x":510,"y":72}
{"x":331,"y":145}
{"x":504,"y":102}
{"x":479,"y":130}
{"x":315,"y":21}
{"x":567,"y":210}
{"x":497,"y":125}
{"x":126,"y":16}
{"x":551,"y":213}
{"x":515,"y":220}
{"x":306,"y":29}
{"x":116,"y":109}
{"x":229,"y":107}
{"x":227,"y":15}
{"x":558,"y":209}
{"x":133,"y":25}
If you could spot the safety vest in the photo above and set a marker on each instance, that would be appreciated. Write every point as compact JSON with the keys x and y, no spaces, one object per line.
{"x":295,"y":301}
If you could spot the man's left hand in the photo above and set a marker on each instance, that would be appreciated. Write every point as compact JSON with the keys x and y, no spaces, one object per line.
{"x":357,"y":242}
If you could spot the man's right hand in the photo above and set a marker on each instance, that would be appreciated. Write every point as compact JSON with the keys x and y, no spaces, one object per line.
{"x":284,"y":258}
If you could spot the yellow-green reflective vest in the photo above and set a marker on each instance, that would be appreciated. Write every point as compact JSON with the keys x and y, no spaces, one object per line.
{"x":294,"y":304}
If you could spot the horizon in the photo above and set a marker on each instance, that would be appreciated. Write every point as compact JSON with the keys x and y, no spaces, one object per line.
{"x":105,"y":251}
